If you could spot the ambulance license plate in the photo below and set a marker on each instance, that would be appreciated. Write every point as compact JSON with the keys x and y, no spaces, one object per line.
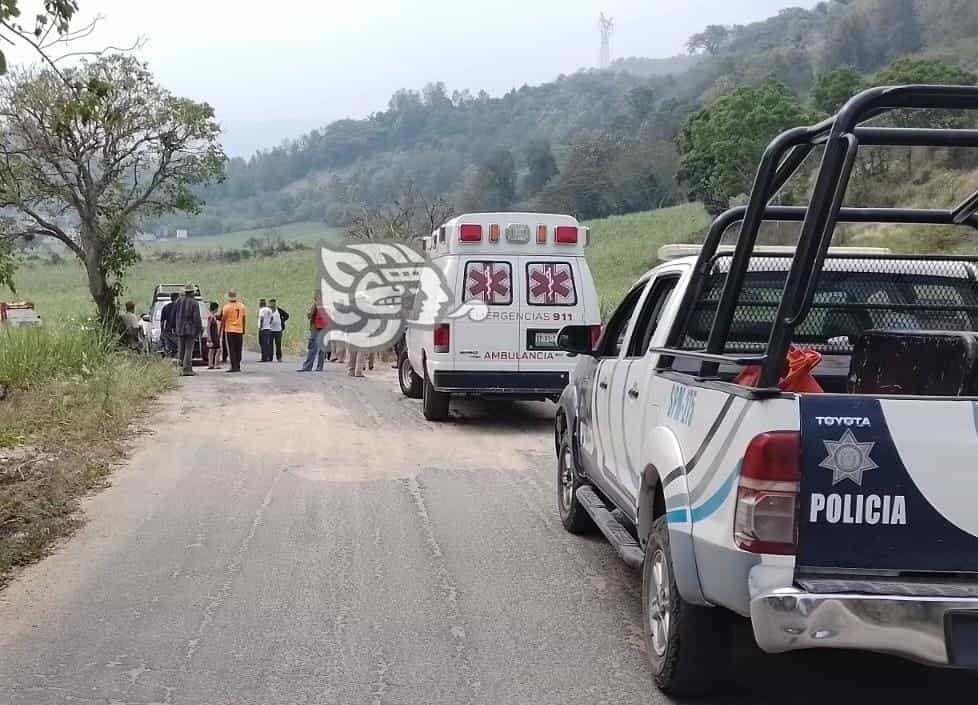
{"x":545,"y":339}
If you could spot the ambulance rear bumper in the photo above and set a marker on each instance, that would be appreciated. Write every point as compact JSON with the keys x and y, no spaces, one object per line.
{"x":939,"y":631}
{"x":516,"y":385}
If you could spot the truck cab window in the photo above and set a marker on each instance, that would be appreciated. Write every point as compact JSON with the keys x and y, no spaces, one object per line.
{"x":648,"y":321}
{"x":614,"y":335}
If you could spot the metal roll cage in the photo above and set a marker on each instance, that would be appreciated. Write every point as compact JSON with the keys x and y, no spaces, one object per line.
{"x":841,"y":136}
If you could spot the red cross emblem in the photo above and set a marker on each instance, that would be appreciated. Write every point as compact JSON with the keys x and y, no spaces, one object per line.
{"x":488,"y":281}
{"x":551,"y":284}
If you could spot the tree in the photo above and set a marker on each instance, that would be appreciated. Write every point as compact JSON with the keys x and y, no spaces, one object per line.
{"x":87,"y":153}
{"x":496,"y":180}
{"x":54,"y":18}
{"x":900,"y":25}
{"x":931,"y":71}
{"x":641,"y":102}
{"x":720,"y":145}
{"x":709,"y":40}
{"x":833,"y":89}
{"x":910,"y":70}
{"x":847,"y":43}
{"x":585,"y":187}
{"x":542,"y":165}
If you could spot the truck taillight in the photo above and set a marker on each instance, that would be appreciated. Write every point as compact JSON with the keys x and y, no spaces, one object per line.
{"x":442,"y":338}
{"x":565,"y":235}
{"x":595,"y":336}
{"x":766,"y":518}
{"x":470,"y":233}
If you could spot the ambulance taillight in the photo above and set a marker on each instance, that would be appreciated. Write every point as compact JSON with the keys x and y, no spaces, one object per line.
{"x":442,"y":338}
{"x":566,"y":235}
{"x":766,"y":519}
{"x":541,"y":234}
{"x":470,"y":232}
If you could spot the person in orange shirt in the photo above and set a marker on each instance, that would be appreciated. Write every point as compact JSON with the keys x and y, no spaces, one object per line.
{"x":233,"y":317}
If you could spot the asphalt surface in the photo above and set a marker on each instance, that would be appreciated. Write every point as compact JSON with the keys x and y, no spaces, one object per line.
{"x":309,"y":538}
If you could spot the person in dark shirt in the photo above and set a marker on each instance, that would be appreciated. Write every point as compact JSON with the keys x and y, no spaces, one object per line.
{"x":213,"y":337}
{"x":186,"y":324}
{"x":167,"y":333}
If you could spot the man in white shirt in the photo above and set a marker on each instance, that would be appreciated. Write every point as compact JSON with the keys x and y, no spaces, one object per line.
{"x":274,"y":328}
{"x":263,"y":342}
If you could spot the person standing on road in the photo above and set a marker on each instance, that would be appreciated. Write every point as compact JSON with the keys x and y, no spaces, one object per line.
{"x":233,"y":318}
{"x":318,"y":322}
{"x":274,"y":327}
{"x":263,"y":340}
{"x":187,"y":326}
{"x":213,"y":337}
{"x":167,"y":336}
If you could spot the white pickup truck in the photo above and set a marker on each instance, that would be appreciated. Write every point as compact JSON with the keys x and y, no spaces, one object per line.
{"x":832,"y":505}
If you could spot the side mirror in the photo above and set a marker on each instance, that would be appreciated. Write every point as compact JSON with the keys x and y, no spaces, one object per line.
{"x":575,"y":340}
{"x":145,"y":317}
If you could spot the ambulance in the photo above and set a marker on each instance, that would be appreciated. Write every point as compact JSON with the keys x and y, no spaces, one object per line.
{"x":529,"y":271}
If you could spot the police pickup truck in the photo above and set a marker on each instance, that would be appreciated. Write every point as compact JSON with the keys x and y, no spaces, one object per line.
{"x":790,"y":437}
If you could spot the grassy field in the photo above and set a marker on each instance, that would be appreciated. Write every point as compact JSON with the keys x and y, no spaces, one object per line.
{"x":68,"y":404}
{"x":60,"y":292}
{"x":306,"y":233}
{"x":622,"y":248}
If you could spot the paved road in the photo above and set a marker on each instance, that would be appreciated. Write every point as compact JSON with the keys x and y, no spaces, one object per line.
{"x":285,"y":538}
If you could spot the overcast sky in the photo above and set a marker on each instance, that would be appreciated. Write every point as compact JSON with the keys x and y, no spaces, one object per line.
{"x":275,"y":69}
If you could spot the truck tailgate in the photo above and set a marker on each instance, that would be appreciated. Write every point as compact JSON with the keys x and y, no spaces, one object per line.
{"x":888,"y":485}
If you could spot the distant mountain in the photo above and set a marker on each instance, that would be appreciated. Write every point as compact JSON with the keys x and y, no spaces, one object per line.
{"x":595,"y":142}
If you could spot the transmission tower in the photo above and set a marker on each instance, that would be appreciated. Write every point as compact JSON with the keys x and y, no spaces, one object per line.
{"x":607,"y":25}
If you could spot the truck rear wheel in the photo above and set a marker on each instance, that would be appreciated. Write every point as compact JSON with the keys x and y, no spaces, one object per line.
{"x":407,"y":378}
{"x":572,"y":515}
{"x":434,"y":404}
{"x":688,"y":645}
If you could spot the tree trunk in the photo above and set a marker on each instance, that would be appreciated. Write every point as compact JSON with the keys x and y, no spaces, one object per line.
{"x":98,"y":283}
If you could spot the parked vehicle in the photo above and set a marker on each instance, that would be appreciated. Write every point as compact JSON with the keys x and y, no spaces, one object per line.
{"x":18,"y":313}
{"x":152,"y":325}
{"x":790,"y":438}
{"x":529,"y":271}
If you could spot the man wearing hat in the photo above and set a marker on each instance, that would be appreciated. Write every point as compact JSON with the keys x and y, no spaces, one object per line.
{"x":233,"y":324}
{"x":187,"y":326}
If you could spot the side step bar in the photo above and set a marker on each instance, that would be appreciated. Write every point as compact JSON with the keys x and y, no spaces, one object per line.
{"x":624,"y":543}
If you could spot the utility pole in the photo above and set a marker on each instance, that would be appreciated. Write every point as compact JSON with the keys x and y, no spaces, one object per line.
{"x":607,"y":25}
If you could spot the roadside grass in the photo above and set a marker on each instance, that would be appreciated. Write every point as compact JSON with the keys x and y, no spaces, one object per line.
{"x":28,"y":354}
{"x":64,"y":422}
{"x":624,"y":247}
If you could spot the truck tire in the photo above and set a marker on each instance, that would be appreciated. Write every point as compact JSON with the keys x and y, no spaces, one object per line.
{"x":407,"y":377}
{"x":572,"y":515}
{"x":434,"y":404}
{"x":688,"y":645}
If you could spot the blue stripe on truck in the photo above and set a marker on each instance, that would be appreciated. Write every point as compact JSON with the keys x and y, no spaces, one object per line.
{"x":710,"y":506}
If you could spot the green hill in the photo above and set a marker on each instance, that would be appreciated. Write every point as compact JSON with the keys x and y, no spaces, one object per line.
{"x":593,"y":143}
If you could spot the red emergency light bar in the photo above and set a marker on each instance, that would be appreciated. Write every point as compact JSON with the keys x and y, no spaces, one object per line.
{"x":470,"y":233}
{"x":566,"y":235}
